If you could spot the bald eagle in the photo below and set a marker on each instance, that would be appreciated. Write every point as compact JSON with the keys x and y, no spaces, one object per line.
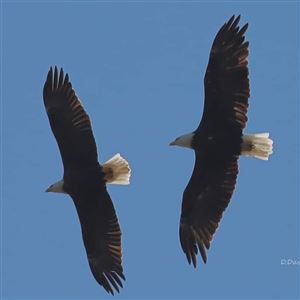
{"x":85,"y":179}
{"x":218,"y":141}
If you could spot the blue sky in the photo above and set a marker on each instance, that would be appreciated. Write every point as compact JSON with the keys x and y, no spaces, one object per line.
{"x":138,"y":68}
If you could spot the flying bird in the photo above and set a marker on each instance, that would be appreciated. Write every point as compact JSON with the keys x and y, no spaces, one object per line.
{"x":85,"y":179}
{"x":218,"y":141}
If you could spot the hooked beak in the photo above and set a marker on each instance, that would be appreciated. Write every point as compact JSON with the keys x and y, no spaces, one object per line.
{"x":172,"y":143}
{"x":47,"y":190}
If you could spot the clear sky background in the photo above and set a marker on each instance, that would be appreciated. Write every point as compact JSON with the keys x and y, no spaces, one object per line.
{"x":138,"y":68}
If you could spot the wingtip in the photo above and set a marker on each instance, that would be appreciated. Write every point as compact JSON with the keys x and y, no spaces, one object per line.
{"x":188,"y":257}
{"x":66,"y":78}
{"x":243,"y":29}
{"x":236,"y":21}
{"x":55,"y":78}
{"x":230,"y":20}
{"x":111,"y":292}
{"x":195,"y":263}
{"x":121,"y":274}
{"x":49,"y":73}
{"x":55,"y":72}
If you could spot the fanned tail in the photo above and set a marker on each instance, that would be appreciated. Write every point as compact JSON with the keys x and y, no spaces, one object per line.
{"x":117,"y":170}
{"x":258,"y":145}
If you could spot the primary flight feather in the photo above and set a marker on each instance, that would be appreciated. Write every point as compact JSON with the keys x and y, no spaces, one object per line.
{"x":85,"y":179}
{"x":218,"y":141}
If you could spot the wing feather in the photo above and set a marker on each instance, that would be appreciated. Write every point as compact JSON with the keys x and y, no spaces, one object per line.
{"x":69,"y":122}
{"x":226,"y":80}
{"x":102,"y":238}
{"x":204,"y":201}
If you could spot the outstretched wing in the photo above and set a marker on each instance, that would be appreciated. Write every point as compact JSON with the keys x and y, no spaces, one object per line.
{"x":226,"y":81}
{"x":214,"y":176}
{"x":204,"y":200}
{"x":69,"y":122}
{"x":102,"y":238}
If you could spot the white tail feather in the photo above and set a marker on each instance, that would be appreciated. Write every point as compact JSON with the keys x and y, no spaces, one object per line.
{"x":258,"y":145}
{"x":117,"y":170}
